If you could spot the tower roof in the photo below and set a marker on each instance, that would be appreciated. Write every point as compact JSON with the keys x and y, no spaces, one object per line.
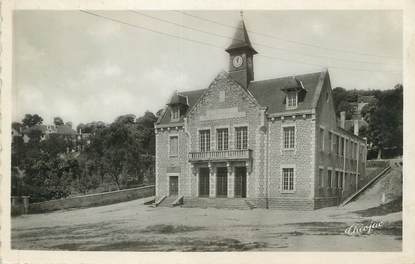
{"x":241,"y":39}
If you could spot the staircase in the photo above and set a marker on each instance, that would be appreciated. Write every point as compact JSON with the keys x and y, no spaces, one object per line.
{"x":363,"y":188}
{"x":228,"y":203}
{"x":172,"y":201}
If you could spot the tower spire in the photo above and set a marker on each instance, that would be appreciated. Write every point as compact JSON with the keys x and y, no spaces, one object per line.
{"x":241,"y":52}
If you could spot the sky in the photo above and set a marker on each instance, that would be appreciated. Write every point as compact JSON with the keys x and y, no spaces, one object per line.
{"x":95,"y":66}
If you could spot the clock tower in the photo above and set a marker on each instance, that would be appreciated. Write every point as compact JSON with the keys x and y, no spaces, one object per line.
{"x":241,"y":54}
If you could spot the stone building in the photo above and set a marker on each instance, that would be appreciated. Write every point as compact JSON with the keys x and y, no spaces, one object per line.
{"x":270,"y":143}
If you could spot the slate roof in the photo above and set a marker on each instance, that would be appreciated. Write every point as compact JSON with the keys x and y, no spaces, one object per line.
{"x":268,"y":93}
{"x":192,"y":97}
{"x":241,"y":39}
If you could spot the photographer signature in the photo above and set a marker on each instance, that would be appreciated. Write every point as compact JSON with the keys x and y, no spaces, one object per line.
{"x":360,"y":229}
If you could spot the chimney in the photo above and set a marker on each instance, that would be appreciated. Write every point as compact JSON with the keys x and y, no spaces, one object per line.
{"x":342,"y":119}
{"x":356,"y":127}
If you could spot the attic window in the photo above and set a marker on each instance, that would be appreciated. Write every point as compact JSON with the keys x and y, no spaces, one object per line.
{"x":291,"y":100}
{"x":175,"y":113}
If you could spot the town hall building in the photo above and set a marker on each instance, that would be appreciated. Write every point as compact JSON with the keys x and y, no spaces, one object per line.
{"x":273,"y":143}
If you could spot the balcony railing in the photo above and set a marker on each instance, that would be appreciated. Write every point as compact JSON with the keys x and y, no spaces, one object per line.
{"x":237,"y":154}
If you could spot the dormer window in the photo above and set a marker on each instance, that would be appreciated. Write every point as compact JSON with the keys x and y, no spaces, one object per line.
{"x":294,"y":92}
{"x":291,"y":100}
{"x":175,"y":113}
{"x":178,"y":103}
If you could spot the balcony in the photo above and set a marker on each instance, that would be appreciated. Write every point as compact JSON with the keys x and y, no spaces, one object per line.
{"x":221,"y":155}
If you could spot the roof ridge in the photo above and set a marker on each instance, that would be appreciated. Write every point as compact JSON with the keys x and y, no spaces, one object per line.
{"x":287,"y":76}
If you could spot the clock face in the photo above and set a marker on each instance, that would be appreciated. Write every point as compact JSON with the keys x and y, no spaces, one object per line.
{"x":237,"y":61}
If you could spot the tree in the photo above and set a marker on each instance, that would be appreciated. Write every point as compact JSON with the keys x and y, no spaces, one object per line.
{"x":385,"y":118}
{"x":341,"y":100}
{"x":32,"y":120}
{"x":58,"y":121}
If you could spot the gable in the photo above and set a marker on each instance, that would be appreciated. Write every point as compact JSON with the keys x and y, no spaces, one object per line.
{"x":223,"y":99}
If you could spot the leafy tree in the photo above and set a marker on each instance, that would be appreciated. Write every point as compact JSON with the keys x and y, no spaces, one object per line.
{"x":385,"y":118}
{"x":32,"y":120}
{"x":58,"y":121}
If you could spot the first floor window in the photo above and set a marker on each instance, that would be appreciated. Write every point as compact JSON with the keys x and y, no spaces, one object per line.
{"x":204,"y":140}
{"x":329,"y":179}
{"x":288,"y":179}
{"x":340,"y":179}
{"x":289,"y":137}
{"x":222,"y":139}
{"x":321,"y":139}
{"x":321,"y":177}
{"x":174,"y":145}
{"x":335,"y":180}
{"x":241,"y":137}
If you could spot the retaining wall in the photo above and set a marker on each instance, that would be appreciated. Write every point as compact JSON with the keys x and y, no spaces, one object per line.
{"x":93,"y":199}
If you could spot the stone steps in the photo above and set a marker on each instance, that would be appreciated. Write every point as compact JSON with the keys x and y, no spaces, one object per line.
{"x":168,"y":201}
{"x":228,"y":203}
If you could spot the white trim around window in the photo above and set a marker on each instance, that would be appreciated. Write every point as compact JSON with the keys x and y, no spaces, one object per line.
{"x":282,"y":137}
{"x":282,"y":169}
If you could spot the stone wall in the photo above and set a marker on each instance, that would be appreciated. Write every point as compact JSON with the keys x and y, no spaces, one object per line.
{"x":93,"y":199}
{"x":168,"y":165}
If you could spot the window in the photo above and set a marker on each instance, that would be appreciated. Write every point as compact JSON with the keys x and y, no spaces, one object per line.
{"x":341,"y":144}
{"x":321,"y":139}
{"x":335,"y":180}
{"x":335,"y":144}
{"x":241,"y":137}
{"x":340,"y":180}
{"x":204,"y":140}
{"x":329,"y":178}
{"x":222,"y":96}
{"x":289,"y":137}
{"x":291,"y":100}
{"x":321,"y":177}
{"x":288,"y":179}
{"x":175,"y":113}
{"x":222,"y":139}
{"x":174,"y":146}
{"x":330,"y":141}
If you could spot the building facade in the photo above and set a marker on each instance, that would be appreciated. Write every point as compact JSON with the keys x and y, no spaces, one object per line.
{"x":273,"y":143}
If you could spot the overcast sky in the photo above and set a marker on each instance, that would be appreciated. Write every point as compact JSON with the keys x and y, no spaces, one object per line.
{"x":87,"y":68}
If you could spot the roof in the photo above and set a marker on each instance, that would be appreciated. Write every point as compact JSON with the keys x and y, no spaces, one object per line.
{"x":61,"y":130}
{"x":177,"y":99}
{"x":269,"y":93}
{"x":191,"y":96}
{"x":349,"y":124}
{"x":241,"y":39}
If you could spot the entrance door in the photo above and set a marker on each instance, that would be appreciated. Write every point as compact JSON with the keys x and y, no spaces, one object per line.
{"x":222,"y":182}
{"x":240,"y":182}
{"x":173,"y":185}
{"x":204,"y":182}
